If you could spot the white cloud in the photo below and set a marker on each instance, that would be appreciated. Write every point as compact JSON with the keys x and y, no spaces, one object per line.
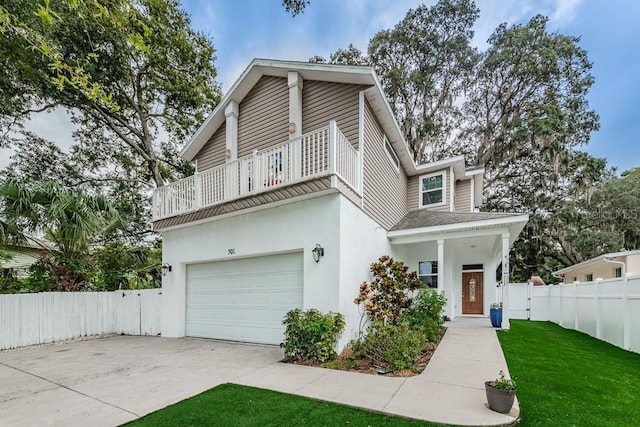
{"x":54,"y":126}
{"x":565,"y":11}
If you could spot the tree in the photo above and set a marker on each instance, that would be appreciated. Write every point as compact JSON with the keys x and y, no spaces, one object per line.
{"x":295,"y":7}
{"x":72,"y":220}
{"x":349,"y":56}
{"x":127,"y":70}
{"x":425,"y":64}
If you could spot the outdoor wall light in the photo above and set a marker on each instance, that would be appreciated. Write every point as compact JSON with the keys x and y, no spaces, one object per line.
{"x":166,"y":268}
{"x":317,"y":252}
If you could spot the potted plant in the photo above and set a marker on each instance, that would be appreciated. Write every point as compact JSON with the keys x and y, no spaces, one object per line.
{"x":495,"y":312}
{"x":500,"y":393}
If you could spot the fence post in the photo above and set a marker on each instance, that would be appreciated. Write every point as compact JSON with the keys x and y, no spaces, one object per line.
{"x":626,"y":331}
{"x":598,"y":322}
{"x":576,"y":307}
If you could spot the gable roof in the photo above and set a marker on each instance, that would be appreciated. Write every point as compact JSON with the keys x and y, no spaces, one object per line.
{"x":596,"y":259}
{"x":362,"y":75}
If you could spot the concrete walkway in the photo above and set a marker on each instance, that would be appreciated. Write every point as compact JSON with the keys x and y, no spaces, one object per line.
{"x":106,"y":382}
{"x":449,"y":391}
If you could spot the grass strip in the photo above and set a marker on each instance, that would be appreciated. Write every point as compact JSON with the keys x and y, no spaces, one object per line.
{"x":240,"y":406}
{"x":567,"y":378}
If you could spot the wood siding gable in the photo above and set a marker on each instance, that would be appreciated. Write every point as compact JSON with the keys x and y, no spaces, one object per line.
{"x":212,"y":154}
{"x":384,"y":188}
{"x":325,"y":101}
{"x":263,"y":120}
{"x":463,"y":196}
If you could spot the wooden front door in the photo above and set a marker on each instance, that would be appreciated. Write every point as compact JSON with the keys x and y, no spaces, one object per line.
{"x":472,"y":293}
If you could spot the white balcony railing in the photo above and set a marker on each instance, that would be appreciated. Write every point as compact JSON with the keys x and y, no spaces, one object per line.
{"x":322,"y":152}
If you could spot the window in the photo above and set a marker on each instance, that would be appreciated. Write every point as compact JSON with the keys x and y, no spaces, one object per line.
{"x":617,"y":272}
{"x":432,"y":190}
{"x":391,"y":154}
{"x":428,"y":273}
{"x":588,"y":277}
{"x":472,"y":267}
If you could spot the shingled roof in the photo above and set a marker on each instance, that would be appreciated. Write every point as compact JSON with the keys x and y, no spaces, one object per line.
{"x":423,"y":218}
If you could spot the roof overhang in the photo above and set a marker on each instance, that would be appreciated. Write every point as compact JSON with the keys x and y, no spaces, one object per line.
{"x":512,"y":225}
{"x":611,"y":256}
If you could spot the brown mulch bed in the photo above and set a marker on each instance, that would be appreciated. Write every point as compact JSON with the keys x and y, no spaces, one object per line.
{"x":346,"y":362}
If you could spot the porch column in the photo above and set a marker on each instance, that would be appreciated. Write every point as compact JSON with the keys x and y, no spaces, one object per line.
{"x":440,"y":265}
{"x":505,"y":281}
{"x":295,"y":104}
{"x":231,"y":114}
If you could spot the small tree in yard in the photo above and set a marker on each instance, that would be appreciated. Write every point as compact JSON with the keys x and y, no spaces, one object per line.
{"x":387,"y":297}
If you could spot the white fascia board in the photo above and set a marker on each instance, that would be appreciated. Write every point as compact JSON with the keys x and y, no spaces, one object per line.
{"x":457,"y":162}
{"x":594,"y":260}
{"x":464,"y":226}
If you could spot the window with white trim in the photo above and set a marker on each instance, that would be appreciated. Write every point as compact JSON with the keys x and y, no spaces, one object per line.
{"x":432,"y":189}
{"x":391,"y":154}
{"x":588,"y":277}
{"x":428,"y":273}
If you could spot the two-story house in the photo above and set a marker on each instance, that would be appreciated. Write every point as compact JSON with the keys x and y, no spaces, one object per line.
{"x":303,"y":180}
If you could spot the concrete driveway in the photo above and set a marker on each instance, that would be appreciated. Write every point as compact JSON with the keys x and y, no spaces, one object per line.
{"x":106,"y":382}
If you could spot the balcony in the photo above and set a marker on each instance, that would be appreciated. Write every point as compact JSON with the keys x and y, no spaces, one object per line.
{"x":322,"y":152}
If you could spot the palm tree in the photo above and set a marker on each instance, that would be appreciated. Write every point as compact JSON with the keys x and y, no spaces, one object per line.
{"x":71,"y":220}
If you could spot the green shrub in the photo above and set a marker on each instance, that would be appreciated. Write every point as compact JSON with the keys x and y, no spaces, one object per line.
{"x":426,"y":313}
{"x":311,"y":335}
{"x":392,"y":347}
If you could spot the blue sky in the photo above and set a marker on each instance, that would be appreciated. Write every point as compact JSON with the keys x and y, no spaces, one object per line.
{"x":245,"y":29}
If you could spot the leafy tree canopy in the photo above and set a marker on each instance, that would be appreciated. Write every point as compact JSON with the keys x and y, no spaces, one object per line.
{"x":134,"y":75}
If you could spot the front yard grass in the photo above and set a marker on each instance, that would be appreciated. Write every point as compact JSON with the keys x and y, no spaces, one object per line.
{"x":567,"y":378}
{"x":239,"y":406}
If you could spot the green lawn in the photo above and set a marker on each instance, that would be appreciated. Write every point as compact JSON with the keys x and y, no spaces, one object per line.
{"x":566,"y":378}
{"x":234,"y":406}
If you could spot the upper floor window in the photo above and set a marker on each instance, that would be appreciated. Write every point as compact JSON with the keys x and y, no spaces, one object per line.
{"x":432,"y":190}
{"x":391,"y":154}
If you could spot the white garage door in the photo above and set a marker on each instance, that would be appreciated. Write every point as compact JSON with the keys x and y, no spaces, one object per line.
{"x":245,"y":299}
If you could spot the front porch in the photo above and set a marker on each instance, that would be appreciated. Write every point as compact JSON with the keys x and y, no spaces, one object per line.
{"x":459,"y":254}
{"x":321,"y":153}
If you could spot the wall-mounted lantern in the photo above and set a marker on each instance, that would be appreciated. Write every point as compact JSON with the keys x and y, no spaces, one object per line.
{"x":317,"y":252}
{"x":166,"y":268}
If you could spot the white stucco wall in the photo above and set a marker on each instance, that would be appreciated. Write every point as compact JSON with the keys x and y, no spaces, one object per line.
{"x":287,"y":228}
{"x":362,"y":242}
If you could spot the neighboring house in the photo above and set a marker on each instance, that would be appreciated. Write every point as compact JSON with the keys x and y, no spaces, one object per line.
{"x":607,"y":266}
{"x":21,"y":257}
{"x":303,"y":180}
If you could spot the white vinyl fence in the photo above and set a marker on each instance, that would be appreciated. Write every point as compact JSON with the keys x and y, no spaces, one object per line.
{"x":27,"y":319}
{"x":606,"y":309}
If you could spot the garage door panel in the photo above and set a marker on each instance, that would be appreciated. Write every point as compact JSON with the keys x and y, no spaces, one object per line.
{"x":243,"y":300}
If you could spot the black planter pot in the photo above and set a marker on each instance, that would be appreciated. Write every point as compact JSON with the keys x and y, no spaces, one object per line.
{"x":499,"y":400}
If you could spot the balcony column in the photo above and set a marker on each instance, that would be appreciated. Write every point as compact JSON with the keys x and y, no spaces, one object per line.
{"x":505,"y":281}
{"x":295,"y":104}
{"x":231,"y":147}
